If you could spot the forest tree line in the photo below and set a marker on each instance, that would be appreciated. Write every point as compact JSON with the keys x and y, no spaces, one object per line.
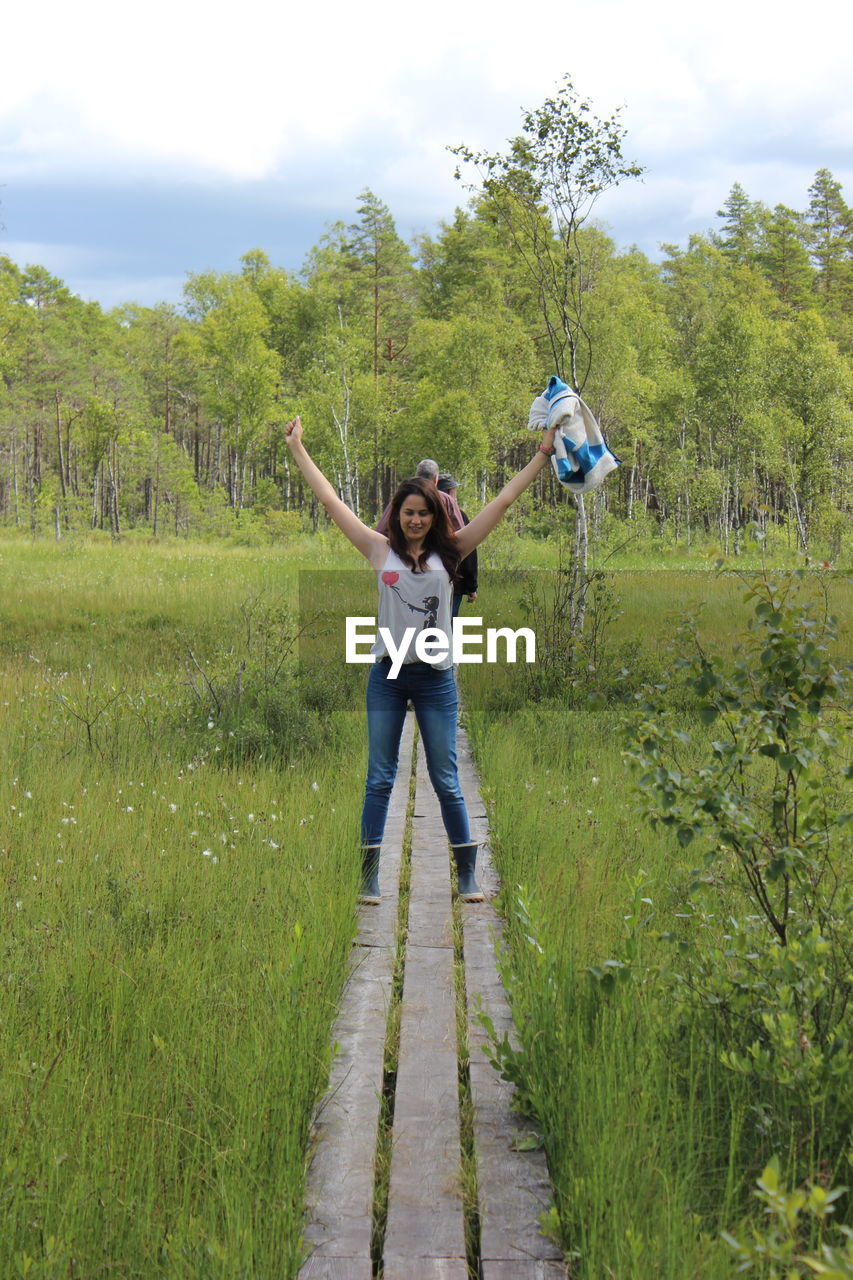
{"x":720,"y":375}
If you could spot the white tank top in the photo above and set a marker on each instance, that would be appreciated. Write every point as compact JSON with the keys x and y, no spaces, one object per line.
{"x":409,"y":599}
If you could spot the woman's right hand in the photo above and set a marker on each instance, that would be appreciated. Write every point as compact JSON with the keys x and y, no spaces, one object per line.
{"x":293,"y":432}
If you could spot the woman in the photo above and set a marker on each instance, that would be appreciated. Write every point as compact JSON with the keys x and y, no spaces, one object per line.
{"x":415,"y":566}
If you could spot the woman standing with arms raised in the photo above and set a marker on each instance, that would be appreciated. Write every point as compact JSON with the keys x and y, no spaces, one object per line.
{"x":415,"y":566}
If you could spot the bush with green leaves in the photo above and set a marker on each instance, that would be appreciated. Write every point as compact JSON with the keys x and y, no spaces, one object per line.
{"x":765,"y":957}
{"x":251,"y":699}
{"x":791,"y":1217}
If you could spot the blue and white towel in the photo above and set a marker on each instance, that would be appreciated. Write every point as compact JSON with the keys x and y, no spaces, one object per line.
{"x":581,"y":457}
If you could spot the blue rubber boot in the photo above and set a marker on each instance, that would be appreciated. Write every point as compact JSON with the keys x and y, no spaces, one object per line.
{"x":369,"y":875}
{"x":465,"y":857}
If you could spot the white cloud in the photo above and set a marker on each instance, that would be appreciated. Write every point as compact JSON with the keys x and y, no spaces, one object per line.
{"x":306,"y":106}
{"x":236,"y":90}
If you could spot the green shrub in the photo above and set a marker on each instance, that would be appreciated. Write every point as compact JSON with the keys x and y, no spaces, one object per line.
{"x":791,"y":1215}
{"x":247,"y":701}
{"x":764,"y":949}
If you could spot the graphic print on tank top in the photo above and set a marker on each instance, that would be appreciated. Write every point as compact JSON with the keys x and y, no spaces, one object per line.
{"x":431,"y":603}
{"x":410,"y":600}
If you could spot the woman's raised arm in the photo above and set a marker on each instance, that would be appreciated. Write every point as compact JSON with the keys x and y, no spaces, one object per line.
{"x":371,"y":544}
{"x":493,"y":512}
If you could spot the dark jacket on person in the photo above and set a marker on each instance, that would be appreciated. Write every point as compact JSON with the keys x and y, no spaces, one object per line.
{"x":465,"y":583}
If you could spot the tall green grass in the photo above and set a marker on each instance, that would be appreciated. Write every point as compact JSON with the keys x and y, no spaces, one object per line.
{"x":653,"y":1144}
{"x":174,"y":923}
{"x":637,"y":1135}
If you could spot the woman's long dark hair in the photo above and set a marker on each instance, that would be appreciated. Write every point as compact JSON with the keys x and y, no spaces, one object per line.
{"x":440,"y":538}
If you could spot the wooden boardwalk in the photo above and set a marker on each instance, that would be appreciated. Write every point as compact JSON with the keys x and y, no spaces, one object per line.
{"x":425,"y":1229}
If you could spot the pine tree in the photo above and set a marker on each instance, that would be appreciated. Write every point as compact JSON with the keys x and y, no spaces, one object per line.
{"x":831,"y":236}
{"x":738,"y":238}
{"x":382,"y":266}
{"x":784,"y":256}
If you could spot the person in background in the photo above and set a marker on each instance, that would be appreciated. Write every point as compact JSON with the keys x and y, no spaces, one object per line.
{"x":466,"y":574}
{"x":427,"y":469}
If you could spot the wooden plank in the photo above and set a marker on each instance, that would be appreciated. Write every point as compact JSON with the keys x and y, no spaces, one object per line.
{"x":425,"y":1204}
{"x":513,"y":1186}
{"x":320,"y":1268}
{"x":430,"y":923}
{"x":425,"y":1231}
{"x":542,"y":1269}
{"x":339,"y":1194}
{"x":425,"y":1269}
{"x":425,"y":1234}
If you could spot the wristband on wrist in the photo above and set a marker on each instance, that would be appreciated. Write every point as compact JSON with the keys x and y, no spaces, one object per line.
{"x":543,"y":448}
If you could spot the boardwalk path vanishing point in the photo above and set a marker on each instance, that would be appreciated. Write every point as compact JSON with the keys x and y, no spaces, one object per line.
{"x":397,"y":1139}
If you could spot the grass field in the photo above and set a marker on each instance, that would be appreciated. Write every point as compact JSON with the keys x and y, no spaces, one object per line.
{"x":174,"y":928}
{"x":654,"y":1146}
{"x":178,"y":821}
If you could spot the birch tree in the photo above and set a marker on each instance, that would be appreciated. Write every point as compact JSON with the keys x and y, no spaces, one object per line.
{"x":544,"y":189}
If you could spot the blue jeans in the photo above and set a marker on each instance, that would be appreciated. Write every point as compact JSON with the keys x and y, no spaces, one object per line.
{"x":433,"y":694}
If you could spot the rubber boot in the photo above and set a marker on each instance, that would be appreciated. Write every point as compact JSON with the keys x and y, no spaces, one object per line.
{"x":369,"y":874}
{"x":465,"y":857}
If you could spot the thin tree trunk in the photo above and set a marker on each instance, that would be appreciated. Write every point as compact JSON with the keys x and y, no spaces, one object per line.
{"x":632,"y":480}
{"x":735,"y":509}
{"x":801,"y":528}
{"x":581,"y":557}
{"x":157,"y":486}
{"x":216,"y":476}
{"x":28,"y":482}
{"x":58,"y":403}
{"x":68,"y":480}
{"x":112,"y":469}
{"x":15,"y":477}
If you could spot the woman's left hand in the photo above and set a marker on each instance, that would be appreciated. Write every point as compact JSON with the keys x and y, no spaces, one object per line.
{"x":548,"y":437}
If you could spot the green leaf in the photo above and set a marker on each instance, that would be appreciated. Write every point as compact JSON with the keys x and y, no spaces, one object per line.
{"x":526,"y":1142}
{"x":769,"y":1180}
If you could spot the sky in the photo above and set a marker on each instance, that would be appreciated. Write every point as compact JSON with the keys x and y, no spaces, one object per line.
{"x":140,"y":143}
